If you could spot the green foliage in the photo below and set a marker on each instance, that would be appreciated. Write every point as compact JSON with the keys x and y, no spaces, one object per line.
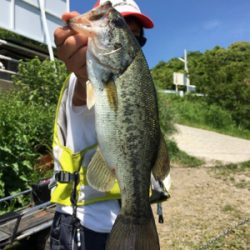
{"x":195,"y":111}
{"x":163,"y":73}
{"x":166,"y":115}
{"x":180,"y":157}
{"x":192,"y":109}
{"x":39,"y":81}
{"x":222,"y":75}
{"x":228,"y":85}
{"x":217,"y":118}
{"x":25,"y":130}
{"x":26,"y":122}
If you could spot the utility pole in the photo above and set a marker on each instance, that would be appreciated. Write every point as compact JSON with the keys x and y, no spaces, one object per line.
{"x":185,"y":61}
{"x":186,"y":73}
{"x":182,"y":79}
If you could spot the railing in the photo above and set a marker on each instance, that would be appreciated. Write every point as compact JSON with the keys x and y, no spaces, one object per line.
{"x":19,"y":224}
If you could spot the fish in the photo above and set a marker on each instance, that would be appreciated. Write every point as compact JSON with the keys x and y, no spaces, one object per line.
{"x":130,"y":142}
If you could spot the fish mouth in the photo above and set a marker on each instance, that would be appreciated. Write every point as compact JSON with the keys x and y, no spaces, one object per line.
{"x":94,"y":24}
{"x":84,"y":23}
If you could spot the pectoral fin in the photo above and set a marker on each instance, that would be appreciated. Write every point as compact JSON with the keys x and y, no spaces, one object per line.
{"x":162,"y":164}
{"x":99,"y":174}
{"x":90,"y":95}
{"x":111,"y":90}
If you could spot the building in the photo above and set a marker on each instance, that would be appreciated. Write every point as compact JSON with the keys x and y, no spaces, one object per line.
{"x":26,"y":31}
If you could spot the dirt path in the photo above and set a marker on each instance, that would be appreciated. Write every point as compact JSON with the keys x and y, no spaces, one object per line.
{"x":212,"y":146}
{"x":203,"y":204}
{"x":200,"y":208}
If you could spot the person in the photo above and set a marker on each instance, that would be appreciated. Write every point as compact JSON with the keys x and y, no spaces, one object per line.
{"x":84,"y":216}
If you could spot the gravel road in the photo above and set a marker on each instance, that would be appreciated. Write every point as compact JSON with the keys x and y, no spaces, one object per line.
{"x":212,"y":146}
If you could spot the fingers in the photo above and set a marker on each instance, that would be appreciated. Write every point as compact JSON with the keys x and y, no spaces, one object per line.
{"x":71,"y":47}
{"x":61,"y":34}
{"x":67,"y":15}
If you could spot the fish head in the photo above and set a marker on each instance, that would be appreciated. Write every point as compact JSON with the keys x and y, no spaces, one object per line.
{"x":111,"y":44}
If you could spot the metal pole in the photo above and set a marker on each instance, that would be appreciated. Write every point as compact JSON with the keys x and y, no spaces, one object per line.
{"x":15,"y":195}
{"x":67,"y":5}
{"x":12,"y":14}
{"x":185,"y":61}
{"x":46,"y":30}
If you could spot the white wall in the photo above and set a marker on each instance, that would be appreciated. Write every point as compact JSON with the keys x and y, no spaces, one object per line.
{"x":23,"y":17}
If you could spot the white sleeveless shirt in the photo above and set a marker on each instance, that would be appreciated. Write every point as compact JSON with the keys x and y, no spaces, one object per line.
{"x":100,"y":216}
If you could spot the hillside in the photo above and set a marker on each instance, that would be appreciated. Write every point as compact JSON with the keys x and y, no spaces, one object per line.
{"x":221,"y":74}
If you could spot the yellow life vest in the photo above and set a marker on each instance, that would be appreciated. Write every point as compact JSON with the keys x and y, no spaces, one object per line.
{"x":70,"y":165}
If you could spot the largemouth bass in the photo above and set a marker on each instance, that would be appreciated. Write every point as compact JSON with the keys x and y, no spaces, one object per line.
{"x":130,"y":143}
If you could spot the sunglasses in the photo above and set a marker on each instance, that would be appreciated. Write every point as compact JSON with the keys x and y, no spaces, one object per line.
{"x":141,"y":40}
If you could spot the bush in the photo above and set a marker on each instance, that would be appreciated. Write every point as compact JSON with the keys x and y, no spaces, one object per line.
{"x":218,"y":118}
{"x":26,"y":122}
{"x":222,"y":74}
{"x":26,"y":133}
{"x":193,"y":110}
{"x":166,"y":115}
{"x":39,"y":82}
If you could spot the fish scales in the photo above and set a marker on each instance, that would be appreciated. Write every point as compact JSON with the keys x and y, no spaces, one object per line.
{"x":133,"y":130}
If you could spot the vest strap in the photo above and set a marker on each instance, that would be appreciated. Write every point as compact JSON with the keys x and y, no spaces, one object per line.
{"x":66,"y":177}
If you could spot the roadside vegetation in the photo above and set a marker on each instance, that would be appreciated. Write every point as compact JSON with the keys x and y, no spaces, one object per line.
{"x":26,"y":125}
{"x":194,"y":111}
{"x":222,"y":75}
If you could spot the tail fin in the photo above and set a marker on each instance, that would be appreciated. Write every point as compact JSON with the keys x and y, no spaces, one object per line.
{"x":131,"y":234}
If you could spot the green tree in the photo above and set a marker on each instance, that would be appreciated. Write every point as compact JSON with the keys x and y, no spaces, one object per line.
{"x":39,"y":82}
{"x":222,"y":74}
{"x":227,"y":80}
{"x":163,"y":73}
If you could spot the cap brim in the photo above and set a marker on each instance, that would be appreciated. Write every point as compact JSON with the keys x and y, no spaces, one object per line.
{"x":145,"y":21}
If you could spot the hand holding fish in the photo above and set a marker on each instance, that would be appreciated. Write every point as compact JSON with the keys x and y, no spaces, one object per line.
{"x":72,"y":47}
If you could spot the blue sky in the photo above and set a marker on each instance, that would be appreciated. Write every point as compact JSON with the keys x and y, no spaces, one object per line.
{"x":195,"y":25}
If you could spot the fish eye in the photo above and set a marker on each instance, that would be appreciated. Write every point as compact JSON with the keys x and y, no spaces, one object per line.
{"x":118,"y":22}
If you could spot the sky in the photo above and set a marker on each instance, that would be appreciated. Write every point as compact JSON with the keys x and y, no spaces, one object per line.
{"x":194,"y":25}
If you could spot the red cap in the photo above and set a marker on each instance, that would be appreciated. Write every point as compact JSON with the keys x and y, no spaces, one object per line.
{"x":129,"y":8}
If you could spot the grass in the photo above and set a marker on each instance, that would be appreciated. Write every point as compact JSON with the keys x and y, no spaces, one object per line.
{"x":235,"y":239}
{"x":181,"y":158}
{"x":195,"y":112}
{"x":236,"y":174}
